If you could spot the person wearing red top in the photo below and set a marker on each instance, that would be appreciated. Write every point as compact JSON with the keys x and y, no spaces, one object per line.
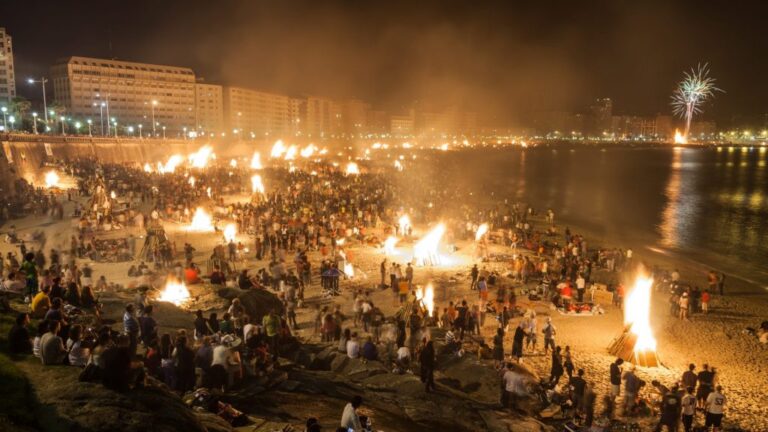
{"x":705,"y":301}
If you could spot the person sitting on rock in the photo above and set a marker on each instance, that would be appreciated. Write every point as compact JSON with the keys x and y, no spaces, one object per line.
{"x":369,"y":351}
{"x":19,"y":341}
{"x":52,"y":350}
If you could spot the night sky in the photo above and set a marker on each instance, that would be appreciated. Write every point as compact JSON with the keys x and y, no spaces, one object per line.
{"x":503,"y":59}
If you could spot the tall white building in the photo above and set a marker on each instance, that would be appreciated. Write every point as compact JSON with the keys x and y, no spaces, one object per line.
{"x":7,"y":75}
{"x":209,"y":104}
{"x":259,"y":113}
{"x":132,"y":93}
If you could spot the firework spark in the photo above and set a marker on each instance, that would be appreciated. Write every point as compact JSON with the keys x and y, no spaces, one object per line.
{"x":695,"y":88}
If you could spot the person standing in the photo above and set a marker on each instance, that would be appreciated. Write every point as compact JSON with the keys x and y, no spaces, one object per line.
{"x":427,"y":360}
{"x":721,"y":283}
{"x":631,"y":387}
{"x":556,"y":370}
{"x":475,"y":274}
{"x":706,"y":379}
{"x":549,"y":335}
{"x":689,"y":377}
{"x":131,"y":328}
{"x":670,"y":411}
{"x":688,"y":409}
{"x":517,"y":342}
{"x":714,"y":409}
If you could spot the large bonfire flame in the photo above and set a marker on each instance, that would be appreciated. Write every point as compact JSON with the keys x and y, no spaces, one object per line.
{"x":637,"y":344}
{"x":174,"y":292}
{"x":278,"y":149}
{"x":680,"y":138}
{"x":352,"y":168}
{"x":199,"y":159}
{"x":403,"y":224}
{"x":230,"y":232}
{"x":171,"y":165}
{"x":481,"y":230}
{"x":426,"y":251}
{"x":427,"y":297}
{"x":201,"y":221}
{"x":51,"y":179}
{"x":256,"y":184}
{"x":637,"y":314}
{"x":389,"y":246}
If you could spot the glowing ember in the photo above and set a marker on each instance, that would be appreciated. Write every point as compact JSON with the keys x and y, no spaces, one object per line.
{"x":637,"y":313}
{"x":201,"y":221}
{"x":352,"y":168}
{"x":174,"y":292}
{"x":426,"y":251}
{"x":680,"y":138}
{"x":389,"y":245}
{"x":427,"y":298}
{"x":256,"y":161}
{"x":290,"y":154}
{"x":398,"y":165}
{"x":199,"y":159}
{"x":147,"y":168}
{"x":233,"y":163}
{"x":230,"y":232}
{"x":481,"y":230}
{"x":256,"y":184}
{"x":171,"y":165}
{"x":51,"y":179}
{"x":403,"y":225}
{"x":278,"y":149}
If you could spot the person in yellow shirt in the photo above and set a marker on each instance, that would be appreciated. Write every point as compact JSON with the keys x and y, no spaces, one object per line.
{"x":41,"y":302}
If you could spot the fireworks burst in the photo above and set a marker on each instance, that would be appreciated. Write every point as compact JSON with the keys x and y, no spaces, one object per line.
{"x":695,"y":88}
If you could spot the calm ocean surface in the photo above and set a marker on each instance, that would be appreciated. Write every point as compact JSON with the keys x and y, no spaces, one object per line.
{"x":707,"y":205}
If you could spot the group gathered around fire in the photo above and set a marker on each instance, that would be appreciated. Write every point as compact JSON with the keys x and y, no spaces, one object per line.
{"x":315,"y":218}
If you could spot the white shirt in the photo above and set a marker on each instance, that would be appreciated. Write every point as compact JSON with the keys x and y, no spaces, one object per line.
{"x":350,"y":419}
{"x":689,"y":404}
{"x":248,"y":331}
{"x":715,"y":403}
{"x":580,"y":283}
{"x":513,"y":382}
{"x":353,"y":348}
{"x":221,"y":356}
{"x":403,"y":353}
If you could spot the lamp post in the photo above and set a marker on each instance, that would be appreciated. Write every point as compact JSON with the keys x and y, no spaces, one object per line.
{"x":163,"y":132}
{"x":34,"y":123}
{"x":153,"y":104}
{"x":140,"y":135}
{"x":63,"y":130}
{"x":185,"y":132}
{"x":5,"y":117}
{"x":42,"y":82}
{"x":77,"y":128}
{"x":90,"y":132}
{"x":130,"y":130}
{"x":114,"y":123}
{"x":12,"y":120}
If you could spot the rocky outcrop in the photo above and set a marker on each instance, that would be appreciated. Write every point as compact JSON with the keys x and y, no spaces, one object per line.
{"x":258,"y":303}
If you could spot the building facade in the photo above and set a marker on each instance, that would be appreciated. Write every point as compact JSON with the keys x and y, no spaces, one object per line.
{"x":209,"y":109}
{"x":131,"y":93}
{"x":7,"y":74}
{"x":323,"y":117}
{"x":259,"y":113}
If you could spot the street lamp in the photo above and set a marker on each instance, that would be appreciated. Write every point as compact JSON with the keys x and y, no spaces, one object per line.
{"x":163,"y":132}
{"x":77,"y":128}
{"x":140,"y":135}
{"x":114,"y":123}
{"x":12,"y":119}
{"x":130,"y":130}
{"x":185,"y":132}
{"x":63,"y":131}
{"x":42,"y":82}
{"x":90,"y":132}
{"x":154,"y":104}
{"x":5,"y":117}
{"x":34,"y":122}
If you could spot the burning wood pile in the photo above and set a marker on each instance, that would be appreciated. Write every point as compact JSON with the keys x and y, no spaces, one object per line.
{"x":636,"y":343}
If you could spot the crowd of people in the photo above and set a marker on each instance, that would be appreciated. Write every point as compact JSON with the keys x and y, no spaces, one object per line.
{"x":315,"y":216}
